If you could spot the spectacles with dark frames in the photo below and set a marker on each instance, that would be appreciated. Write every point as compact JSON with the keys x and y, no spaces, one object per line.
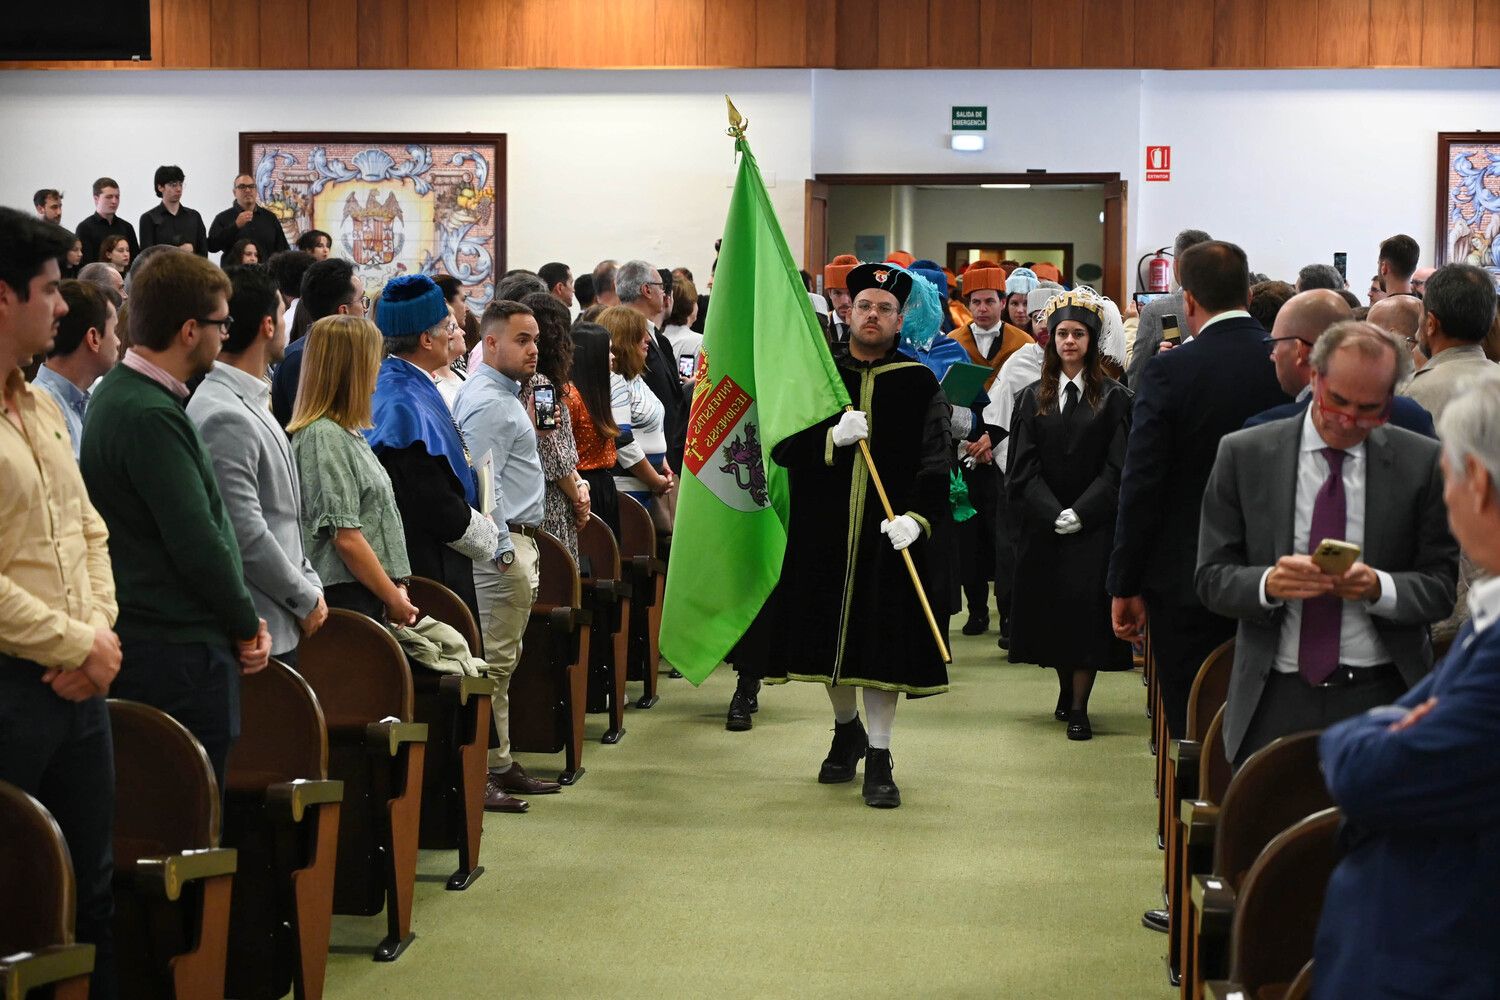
{"x":1270,"y":341}
{"x":225,"y":324}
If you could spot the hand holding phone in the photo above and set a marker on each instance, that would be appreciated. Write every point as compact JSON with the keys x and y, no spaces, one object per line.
{"x":1334,"y":556}
{"x":1170,"y":334}
{"x":687,"y":365}
{"x":544,"y":401}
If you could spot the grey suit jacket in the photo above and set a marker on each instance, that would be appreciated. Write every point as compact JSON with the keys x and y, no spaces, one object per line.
{"x":258,"y":479}
{"x":1247,"y":525}
{"x":1148,"y":333}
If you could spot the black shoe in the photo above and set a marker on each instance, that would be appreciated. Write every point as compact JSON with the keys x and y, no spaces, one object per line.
{"x":1003,"y":642}
{"x":1064,"y":705}
{"x":752,"y":697}
{"x":880,"y":789}
{"x":1078,"y":726}
{"x":1156,"y":920}
{"x":978,"y":623}
{"x":739,"y":713}
{"x":848,"y":749}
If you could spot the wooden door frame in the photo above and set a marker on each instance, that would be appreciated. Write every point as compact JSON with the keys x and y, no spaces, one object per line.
{"x":1066,"y":248}
{"x":1115,"y":192}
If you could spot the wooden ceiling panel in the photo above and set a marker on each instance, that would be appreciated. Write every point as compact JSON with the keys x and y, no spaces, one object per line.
{"x":953,"y":34}
{"x":1172,"y":34}
{"x":679,"y":32}
{"x":432,"y":34}
{"x":858,"y":34}
{"x":1004,"y":33}
{"x":1291,"y":34}
{"x":1108,"y":33}
{"x":729,"y":34}
{"x":1343,"y":32}
{"x":1056,"y":39}
{"x":234,"y":35}
{"x":283,"y":34}
{"x":184,"y":42}
{"x":1395,"y":33}
{"x":1487,"y":35}
{"x":780,"y":33}
{"x":901,"y":33}
{"x":333,"y":34}
{"x":1448,"y":32}
{"x":1239,"y":33}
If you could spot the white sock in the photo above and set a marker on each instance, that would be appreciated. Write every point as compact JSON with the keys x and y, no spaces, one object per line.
{"x":880,"y":715}
{"x":845,"y":708}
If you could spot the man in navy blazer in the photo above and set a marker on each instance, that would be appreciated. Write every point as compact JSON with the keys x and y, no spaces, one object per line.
{"x":1299,"y":324}
{"x":1188,"y":398}
{"x":1409,"y":910}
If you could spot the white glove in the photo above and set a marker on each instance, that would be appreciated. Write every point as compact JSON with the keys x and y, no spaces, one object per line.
{"x":1067,"y":523}
{"x":853,"y":426}
{"x":902,"y":530}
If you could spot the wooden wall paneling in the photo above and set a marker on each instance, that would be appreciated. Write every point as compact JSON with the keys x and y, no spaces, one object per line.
{"x":537,"y":31}
{"x":953,"y":34}
{"x":1395,"y":33}
{"x":382,"y":34}
{"x":729,"y":33}
{"x":1004,"y":33}
{"x":1291,"y":34}
{"x":679,"y":32}
{"x":822,"y":33}
{"x":1109,"y":33}
{"x":902,"y":33}
{"x":283,"y":34}
{"x":635,"y":33}
{"x":1487,"y":35}
{"x":1174,"y":34}
{"x":1448,"y":32}
{"x":482,"y":34}
{"x":1343,"y":32}
{"x":432,"y":34}
{"x":1239,"y":33}
{"x":1056,"y":38}
{"x":234,"y":35}
{"x":185,"y":33}
{"x":858,"y":35}
{"x":780,"y":33}
{"x":333,"y":34}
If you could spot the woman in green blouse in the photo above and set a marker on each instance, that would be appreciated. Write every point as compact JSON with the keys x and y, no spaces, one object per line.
{"x":349,"y":517}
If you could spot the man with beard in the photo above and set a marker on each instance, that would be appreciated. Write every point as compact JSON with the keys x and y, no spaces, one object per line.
{"x":836,"y":289}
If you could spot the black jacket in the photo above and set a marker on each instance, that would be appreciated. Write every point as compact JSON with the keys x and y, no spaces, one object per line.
{"x":264,"y":229}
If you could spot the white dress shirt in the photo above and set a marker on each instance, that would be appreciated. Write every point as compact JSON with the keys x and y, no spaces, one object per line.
{"x":1062,"y":395}
{"x":1484,"y":603}
{"x":1359,"y":643}
{"x":985,"y":339}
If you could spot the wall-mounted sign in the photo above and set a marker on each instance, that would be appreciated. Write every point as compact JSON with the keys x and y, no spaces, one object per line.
{"x":970,"y":119}
{"x":1158,"y":163}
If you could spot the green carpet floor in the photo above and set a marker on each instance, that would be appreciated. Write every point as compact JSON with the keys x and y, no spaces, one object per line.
{"x":693,"y":862}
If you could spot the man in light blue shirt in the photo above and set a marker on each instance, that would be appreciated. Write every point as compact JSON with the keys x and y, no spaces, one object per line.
{"x":500,"y":436}
{"x":86,"y":346}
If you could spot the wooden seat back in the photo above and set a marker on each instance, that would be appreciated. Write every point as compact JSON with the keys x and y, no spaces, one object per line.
{"x":442,"y":604}
{"x":283,"y":734}
{"x":1277,"y":909}
{"x":549,"y":686}
{"x":637,"y":531}
{"x":1210,"y":689}
{"x":1213,"y":766}
{"x":598,"y":553}
{"x":559,"y":585}
{"x":36,"y":870}
{"x":1277,"y":787}
{"x":1301,"y":987}
{"x":357,"y":669}
{"x":167,"y":799}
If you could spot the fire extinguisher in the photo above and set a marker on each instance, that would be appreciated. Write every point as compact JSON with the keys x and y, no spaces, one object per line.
{"x":1158,"y":272}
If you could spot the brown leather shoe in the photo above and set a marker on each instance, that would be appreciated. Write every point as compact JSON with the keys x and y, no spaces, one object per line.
{"x":515,"y":779}
{"x":495,"y":799}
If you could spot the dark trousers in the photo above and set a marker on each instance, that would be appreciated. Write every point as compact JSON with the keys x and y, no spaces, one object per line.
{"x":1003,"y":535}
{"x":196,"y":683}
{"x":61,"y":753}
{"x":1290,"y":705}
{"x":976,"y":540}
{"x":1182,"y":636}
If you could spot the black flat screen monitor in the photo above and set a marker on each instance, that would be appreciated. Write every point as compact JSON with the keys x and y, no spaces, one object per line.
{"x":77,"y":29}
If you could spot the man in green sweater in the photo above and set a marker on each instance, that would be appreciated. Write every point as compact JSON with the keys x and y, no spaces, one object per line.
{"x":187,"y":624}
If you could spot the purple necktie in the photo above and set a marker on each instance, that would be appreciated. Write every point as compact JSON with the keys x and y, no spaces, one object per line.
{"x":1318,"y":648}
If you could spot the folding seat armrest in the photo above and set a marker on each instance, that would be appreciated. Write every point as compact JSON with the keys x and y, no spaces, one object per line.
{"x":291,"y":799}
{"x":464,"y":687}
{"x":28,"y":970}
{"x":1185,"y":756}
{"x":1200,"y":822}
{"x":607,"y":590}
{"x":392,"y":735}
{"x":165,"y":875}
{"x":1213,"y":902}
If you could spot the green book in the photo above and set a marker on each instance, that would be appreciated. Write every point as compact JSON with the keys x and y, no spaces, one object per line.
{"x":963,"y":384}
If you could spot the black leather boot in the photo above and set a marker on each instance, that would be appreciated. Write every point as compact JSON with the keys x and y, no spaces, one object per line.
{"x":742,"y":706}
{"x":880,"y":789}
{"x":848,"y":749}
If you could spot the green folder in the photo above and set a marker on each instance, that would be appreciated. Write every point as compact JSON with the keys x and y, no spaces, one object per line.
{"x":964,"y":383}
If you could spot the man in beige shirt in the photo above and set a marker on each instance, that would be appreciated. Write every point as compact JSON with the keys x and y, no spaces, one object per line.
{"x":1458,"y":307}
{"x":58,"y":653}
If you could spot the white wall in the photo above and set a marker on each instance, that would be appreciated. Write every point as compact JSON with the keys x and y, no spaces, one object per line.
{"x":599,"y":164}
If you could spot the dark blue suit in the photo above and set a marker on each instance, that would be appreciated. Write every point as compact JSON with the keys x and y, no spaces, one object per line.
{"x":1410,"y":909}
{"x":1407,"y":413}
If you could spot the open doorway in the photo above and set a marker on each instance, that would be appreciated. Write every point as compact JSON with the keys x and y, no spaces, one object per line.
{"x":1074,"y":221}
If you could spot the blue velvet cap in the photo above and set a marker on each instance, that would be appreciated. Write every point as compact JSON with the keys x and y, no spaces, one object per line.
{"x":410,"y":304}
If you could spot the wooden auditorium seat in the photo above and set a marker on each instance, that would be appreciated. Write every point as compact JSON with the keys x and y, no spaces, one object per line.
{"x":37,"y":950}
{"x":457,"y":711}
{"x":1278,"y":786}
{"x":1196,"y":824}
{"x":549,"y":689}
{"x":362,"y":680}
{"x":646,"y":572}
{"x":281,"y":814}
{"x":173,"y":881}
{"x":606,"y":595}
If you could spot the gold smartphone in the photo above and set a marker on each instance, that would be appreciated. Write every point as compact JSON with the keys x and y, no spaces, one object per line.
{"x":1334,"y":557}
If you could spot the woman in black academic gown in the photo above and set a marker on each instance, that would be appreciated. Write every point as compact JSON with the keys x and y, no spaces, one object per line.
{"x":1067,"y":446}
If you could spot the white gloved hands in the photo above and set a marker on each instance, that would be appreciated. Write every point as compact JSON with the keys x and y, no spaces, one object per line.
{"x":1067,"y":523}
{"x":902,"y":530}
{"x":853,"y":426}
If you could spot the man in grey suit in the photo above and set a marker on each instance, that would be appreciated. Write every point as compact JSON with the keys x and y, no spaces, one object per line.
{"x":253,"y":464}
{"x":1314,"y":648}
{"x":1148,"y":331}
{"x":1456,"y":315}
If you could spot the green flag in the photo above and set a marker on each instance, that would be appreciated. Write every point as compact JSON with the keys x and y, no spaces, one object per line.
{"x":765,"y":373}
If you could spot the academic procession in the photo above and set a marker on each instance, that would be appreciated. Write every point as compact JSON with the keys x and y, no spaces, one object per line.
{"x":490,"y":556}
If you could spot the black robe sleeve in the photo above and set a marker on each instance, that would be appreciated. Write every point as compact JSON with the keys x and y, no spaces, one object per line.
{"x":428,"y":495}
{"x":1029,"y":492}
{"x":931,"y":494}
{"x":1100,"y":500}
{"x":806,"y":448}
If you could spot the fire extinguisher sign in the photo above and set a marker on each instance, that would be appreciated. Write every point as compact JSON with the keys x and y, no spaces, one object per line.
{"x":1158,"y":163}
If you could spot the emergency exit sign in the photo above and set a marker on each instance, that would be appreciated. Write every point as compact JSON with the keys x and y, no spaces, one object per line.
{"x":970,"y":119}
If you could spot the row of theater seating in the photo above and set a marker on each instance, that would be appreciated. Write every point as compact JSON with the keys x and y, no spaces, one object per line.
{"x":345,"y":767}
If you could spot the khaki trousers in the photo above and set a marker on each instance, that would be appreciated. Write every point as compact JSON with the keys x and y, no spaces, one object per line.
{"x":505,"y":601}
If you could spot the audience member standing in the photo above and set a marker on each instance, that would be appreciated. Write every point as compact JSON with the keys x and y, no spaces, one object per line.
{"x":253,"y":465}
{"x":85,"y":349}
{"x":558,"y":278}
{"x":1067,"y":447}
{"x":1399,"y":256}
{"x":495,"y":423}
{"x":1148,"y":331}
{"x":187,"y":624}
{"x":104,"y":222}
{"x":566,"y":507}
{"x":640,"y":288}
{"x":329,"y":288}
{"x":594,"y":427}
{"x":58,"y":655}
{"x":317,"y":243}
{"x":641,"y":448}
{"x":246,"y":220}
{"x":48,"y":205}
{"x":681,"y":336}
{"x":1458,"y":306}
{"x":171,"y":222}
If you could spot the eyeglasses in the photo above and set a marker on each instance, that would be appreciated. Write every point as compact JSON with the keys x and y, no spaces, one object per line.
{"x":244,"y":187}
{"x":1348,"y":418}
{"x":226,"y":324}
{"x":1273,"y":341}
{"x":883,"y":308}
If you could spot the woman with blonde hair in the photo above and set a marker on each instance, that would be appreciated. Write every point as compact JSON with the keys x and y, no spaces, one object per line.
{"x":641,"y":468}
{"x":350,"y":523}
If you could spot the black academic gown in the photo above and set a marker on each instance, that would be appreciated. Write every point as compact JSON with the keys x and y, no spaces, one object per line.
{"x":433,"y":513}
{"x":1061,"y":609}
{"x":845,"y":610}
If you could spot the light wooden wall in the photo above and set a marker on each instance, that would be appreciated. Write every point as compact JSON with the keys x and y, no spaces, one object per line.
{"x":842,"y":34}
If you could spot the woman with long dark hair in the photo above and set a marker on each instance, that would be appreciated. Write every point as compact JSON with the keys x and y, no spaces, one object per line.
{"x":566,"y":500}
{"x":1067,"y":447}
{"x":594,"y":429}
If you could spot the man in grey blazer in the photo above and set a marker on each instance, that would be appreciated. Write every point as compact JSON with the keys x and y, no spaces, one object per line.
{"x":1148,"y":330}
{"x":253,"y":464}
{"x":1313,"y":648}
